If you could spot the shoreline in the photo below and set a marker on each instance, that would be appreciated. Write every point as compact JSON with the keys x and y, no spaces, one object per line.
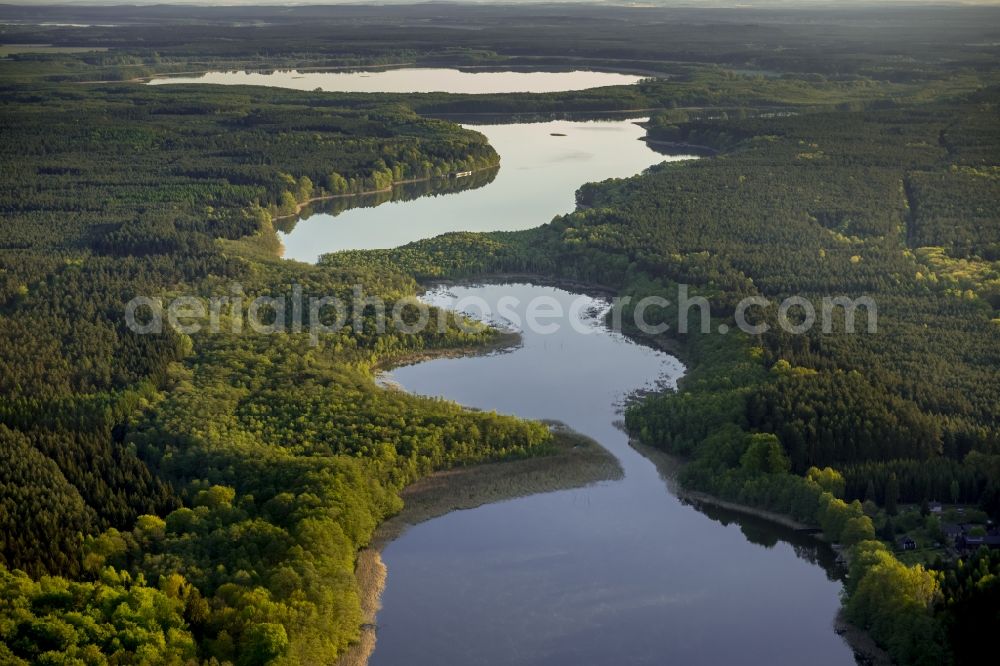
{"x":575,"y":461}
{"x":503,"y":340}
{"x":327,"y":197}
{"x":866,"y":650}
{"x":469,"y":487}
{"x":167,"y":75}
{"x":668,"y":466}
{"x":522,"y":63}
{"x":587,"y":288}
{"x":439,"y":488}
{"x":680,"y":145}
{"x":669,"y":345}
{"x":249,"y":68}
{"x":425,"y":63}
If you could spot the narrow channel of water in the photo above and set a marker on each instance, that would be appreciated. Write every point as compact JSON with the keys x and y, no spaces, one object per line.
{"x":542,"y":164}
{"x":619,"y":572}
{"x":541,"y":167}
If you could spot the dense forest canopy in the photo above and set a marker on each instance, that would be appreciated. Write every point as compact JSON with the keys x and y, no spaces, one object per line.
{"x":201,"y":498}
{"x":246,"y":473}
{"x":813,"y":205}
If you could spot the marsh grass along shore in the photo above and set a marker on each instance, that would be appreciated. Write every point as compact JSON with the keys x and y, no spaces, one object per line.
{"x":573,"y":461}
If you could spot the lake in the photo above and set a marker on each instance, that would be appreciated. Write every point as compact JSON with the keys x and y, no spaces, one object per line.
{"x":618,"y":572}
{"x":538,"y":177}
{"x":412,"y":80}
{"x":541,"y":164}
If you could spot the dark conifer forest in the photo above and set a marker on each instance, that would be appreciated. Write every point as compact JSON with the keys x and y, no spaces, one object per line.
{"x":201,"y":498}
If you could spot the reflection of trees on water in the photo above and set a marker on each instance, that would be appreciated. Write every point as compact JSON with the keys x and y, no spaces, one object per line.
{"x":404,"y":192}
{"x":758,"y":535}
{"x":767,"y":534}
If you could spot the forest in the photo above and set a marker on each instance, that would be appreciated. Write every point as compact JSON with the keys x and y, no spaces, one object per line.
{"x":134,"y":463}
{"x":180,"y":498}
{"x":812,"y":425}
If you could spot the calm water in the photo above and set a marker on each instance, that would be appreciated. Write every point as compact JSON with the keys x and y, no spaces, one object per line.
{"x":537,"y":180}
{"x":617,"y":573}
{"x":542,"y":164}
{"x":414,"y":80}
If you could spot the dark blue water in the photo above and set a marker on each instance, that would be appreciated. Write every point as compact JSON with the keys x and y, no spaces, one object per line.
{"x":616,"y":573}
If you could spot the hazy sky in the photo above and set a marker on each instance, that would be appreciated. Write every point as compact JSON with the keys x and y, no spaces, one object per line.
{"x":639,"y":3}
{"x":675,"y":3}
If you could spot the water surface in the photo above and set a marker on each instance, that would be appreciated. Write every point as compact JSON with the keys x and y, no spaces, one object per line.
{"x":541,"y":167}
{"x":413,"y":80}
{"x":542,"y":164}
{"x":617,"y":573}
